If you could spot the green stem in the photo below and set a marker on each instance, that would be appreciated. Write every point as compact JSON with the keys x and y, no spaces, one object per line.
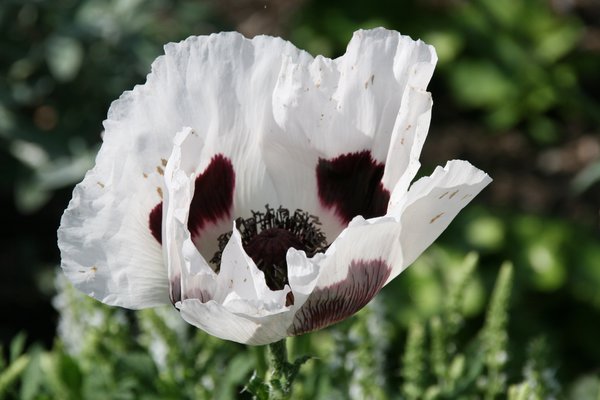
{"x":278,"y":356}
{"x":277,"y":383}
{"x":282,"y":372}
{"x":261,"y":362}
{"x":280,"y":382}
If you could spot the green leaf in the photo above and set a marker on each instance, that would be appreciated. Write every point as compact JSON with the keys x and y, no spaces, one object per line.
{"x":234,"y":377}
{"x":12,"y":373}
{"x":16,"y":346}
{"x":33,"y":376}
{"x":257,"y":386}
{"x":494,"y":334}
{"x":413,"y":363}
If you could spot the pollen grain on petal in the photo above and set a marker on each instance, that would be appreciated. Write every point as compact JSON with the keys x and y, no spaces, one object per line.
{"x":453,"y":194}
{"x":369,"y":81}
{"x":160,"y":170}
{"x":436,"y":218}
{"x":88,"y":274}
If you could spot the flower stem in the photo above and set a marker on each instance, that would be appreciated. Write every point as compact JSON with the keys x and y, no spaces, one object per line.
{"x":279,"y":383}
{"x":261,"y":361}
{"x":282,"y":373}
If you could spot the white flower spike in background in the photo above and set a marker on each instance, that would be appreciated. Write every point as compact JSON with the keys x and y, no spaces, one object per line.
{"x":263,"y":192}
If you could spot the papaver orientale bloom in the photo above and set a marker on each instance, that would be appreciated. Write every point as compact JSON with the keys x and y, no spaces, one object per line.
{"x":262,"y":191}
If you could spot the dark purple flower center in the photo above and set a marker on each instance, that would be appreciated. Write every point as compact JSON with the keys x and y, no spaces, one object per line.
{"x":268,"y":250}
{"x":267,"y":236}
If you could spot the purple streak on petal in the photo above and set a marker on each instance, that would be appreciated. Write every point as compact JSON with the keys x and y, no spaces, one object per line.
{"x":335,"y":303}
{"x":351,"y":185}
{"x":175,"y":288}
{"x":212,"y":201}
{"x":213,"y":195}
{"x":198,"y":293}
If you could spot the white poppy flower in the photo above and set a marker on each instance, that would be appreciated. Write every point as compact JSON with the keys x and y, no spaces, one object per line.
{"x":225,"y":125}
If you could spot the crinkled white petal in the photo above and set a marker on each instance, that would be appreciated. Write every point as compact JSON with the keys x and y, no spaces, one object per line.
{"x":351,"y":272}
{"x":106,"y":248}
{"x":219,"y":321}
{"x":240,"y":281}
{"x":243,"y":308}
{"x":218,"y":85}
{"x":431,"y":204}
{"x":302,"y":274}
{"x":254,"y":321}
{"x":408,"y":137}
{"x":370,"y":253}
{"x":353,"y":101}
{"x":189,"y":273}
{"x":372,"y":239}
{"x":221,"y":86}
{"x":364,"y":100}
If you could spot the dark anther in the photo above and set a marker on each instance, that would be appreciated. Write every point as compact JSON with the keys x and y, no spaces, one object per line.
{"x":267,"y":236}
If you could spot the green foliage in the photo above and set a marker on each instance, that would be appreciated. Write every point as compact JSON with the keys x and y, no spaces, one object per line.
{"x":413,"y":363}
{"x":494,"y":338}
{"x":524,"y":74}
{"x":12,"y":369}
{"x":557,"y":274}
{"x":479,"y":371}
{"x":586,"y":388}
{"x":540,"y":375}
{"x":105,"y":352}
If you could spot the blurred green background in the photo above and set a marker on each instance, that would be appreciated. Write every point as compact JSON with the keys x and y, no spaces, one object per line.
{"x":516,"y":92}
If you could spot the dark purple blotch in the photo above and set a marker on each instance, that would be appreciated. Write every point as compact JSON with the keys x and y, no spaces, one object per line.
{"x":212,"y":201}
{"x":350,"y":184}
{"x":155,"y":222}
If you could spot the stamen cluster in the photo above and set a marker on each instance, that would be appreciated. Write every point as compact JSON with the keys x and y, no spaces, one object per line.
{"x":266,"y":237}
